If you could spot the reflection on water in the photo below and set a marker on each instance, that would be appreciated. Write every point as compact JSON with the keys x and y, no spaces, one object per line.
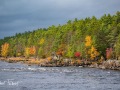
{"x":23,"y":77}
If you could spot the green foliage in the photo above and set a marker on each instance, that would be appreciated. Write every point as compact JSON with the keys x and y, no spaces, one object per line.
{"x":104,"y":32}
{"x":70,"y":52}
{"x":117,"y":47}
{"x":40,"y":52}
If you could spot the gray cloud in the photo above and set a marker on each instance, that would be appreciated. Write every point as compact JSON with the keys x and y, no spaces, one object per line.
{"x":25,"y":15}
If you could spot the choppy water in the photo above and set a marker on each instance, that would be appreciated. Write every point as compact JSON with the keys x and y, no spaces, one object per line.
{"x":16,"y":76}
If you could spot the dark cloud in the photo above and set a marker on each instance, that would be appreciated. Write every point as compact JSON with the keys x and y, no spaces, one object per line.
{"x":25,"y":15}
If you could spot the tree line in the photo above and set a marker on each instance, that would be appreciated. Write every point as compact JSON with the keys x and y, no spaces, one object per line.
{"x":88,"y":38}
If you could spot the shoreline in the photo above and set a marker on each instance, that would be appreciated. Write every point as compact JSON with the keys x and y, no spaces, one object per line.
{"x":109,"y":64}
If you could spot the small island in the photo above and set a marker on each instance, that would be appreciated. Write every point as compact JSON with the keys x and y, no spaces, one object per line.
{"x":89,"y":42}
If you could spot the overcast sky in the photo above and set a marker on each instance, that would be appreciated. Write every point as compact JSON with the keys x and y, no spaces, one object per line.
{"x":18,"y":16}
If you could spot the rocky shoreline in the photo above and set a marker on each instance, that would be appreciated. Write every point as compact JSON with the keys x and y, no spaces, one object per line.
{"x":109,"y":64}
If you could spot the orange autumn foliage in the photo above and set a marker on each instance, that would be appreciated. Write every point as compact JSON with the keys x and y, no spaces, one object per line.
{"x":109,"y":52}
{"x":79,"y":61}
{"x":61,"y":49}
{"x":32,"y":50}
{"x":60,"y":52}
{"x":49,"y":59}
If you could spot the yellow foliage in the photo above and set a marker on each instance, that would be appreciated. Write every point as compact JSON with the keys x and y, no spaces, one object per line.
{"x":93,"y":52}
{"x":30,"y":51}
{"x":93,"y":49}
{"x":4,"y":49}
{"x":27,"y":51}
{"x":18,"y":54}
{"x":41,"y":41}
{"x":88,"y":41}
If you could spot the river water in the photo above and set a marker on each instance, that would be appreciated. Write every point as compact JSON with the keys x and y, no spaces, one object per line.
{"x":17,"y":76}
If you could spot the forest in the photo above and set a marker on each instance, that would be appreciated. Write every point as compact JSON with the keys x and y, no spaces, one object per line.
{"x":90,"y":38}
